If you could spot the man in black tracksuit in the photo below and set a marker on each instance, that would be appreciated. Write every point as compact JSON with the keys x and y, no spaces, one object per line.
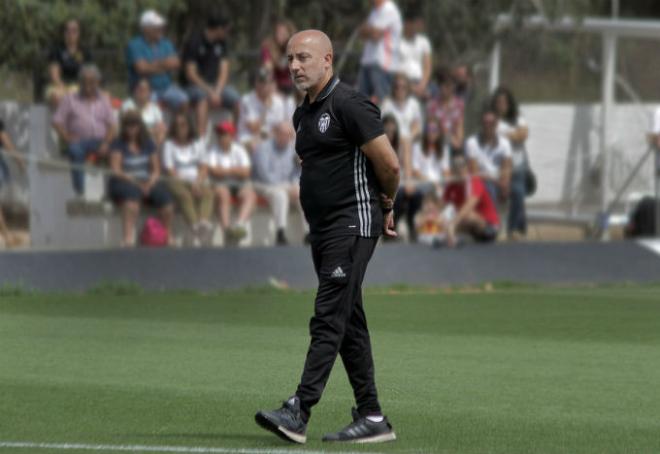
{"x":349,"y":178}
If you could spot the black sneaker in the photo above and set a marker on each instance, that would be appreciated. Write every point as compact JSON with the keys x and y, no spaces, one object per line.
{"x":361,"y":430}
{"x":285,"y":422}
{"x":280,"y":238}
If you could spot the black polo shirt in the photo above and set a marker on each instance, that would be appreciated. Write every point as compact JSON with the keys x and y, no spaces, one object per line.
{"x":339,"y":191}
{"x":206,"y":55}
{"x":70,"y":63}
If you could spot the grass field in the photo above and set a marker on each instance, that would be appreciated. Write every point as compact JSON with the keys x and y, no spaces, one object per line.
{"x":517,"y":370}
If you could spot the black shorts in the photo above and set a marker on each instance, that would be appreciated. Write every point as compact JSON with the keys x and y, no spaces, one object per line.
{"x":120,"y":190}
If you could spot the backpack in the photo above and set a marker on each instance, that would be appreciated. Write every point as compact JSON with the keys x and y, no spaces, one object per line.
{"x":154,"y":233}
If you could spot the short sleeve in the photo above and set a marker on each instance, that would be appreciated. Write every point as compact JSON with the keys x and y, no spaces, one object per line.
{"x":156,"y":113}
{"x":54,"y":55}
{"x":189,"y":50}
{"x":168,"y":48}
{"x":242,"y":157}
{"x":359,"y":117}
{"x":425,"y":45}
{"x":416,"y":110}
{"x":168,"y":155}
{"x":149,"y":147}
{"x":506,"y":148}
{"x":471,"y":148}
{"x":132,"y":52}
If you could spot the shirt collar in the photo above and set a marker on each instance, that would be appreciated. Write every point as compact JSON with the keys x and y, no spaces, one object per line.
{"x":329,"y":88}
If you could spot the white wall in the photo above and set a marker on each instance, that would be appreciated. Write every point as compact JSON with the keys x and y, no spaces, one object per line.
{"x":564,"y":149}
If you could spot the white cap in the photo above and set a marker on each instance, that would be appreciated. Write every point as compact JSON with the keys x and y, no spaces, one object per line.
{"x":151,"y":18}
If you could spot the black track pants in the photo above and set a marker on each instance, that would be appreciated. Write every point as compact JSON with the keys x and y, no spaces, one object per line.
{"x":339,"y":325}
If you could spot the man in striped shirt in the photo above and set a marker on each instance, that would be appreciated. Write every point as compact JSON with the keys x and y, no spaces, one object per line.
{"x":348,"y":181}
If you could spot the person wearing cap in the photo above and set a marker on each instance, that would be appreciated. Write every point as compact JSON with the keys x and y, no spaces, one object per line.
{"x":229,"y":168}
{"x":476,"y":214}
{"x":184,"y":161}
{"x":153,"y":56}
{"x":261,"y":109}
{"x":206,"y":70}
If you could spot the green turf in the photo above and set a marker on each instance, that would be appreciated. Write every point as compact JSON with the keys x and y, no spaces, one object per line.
{"x":517,"y":370}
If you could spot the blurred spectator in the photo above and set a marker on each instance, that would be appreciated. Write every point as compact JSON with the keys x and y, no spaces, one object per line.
{"x":447,"y":110}
{"x":415,"y":55}
{"x":429,"y":222}
{"x":184,"y":159}
{"x":381,"y":33}
{"x":405,"y":109}
{"x":489,"y":156}
{"x":135,"y":176}
{"x":151,"y":113}
{"x":475,"y":212}
{"x":512,"y":126}
{"x":229,"y":167}
{"x":275,"y":173}
{"x":206,"y":68}
{"x":430,"y":160}
{"x":261,"y":109}
{"x":64,"y":63}
{"x":153,"y":56}
{"x":85,"y":122}
{"x":475,"y":99}
{"x":7,"y":149}
{"x":273,"y":54}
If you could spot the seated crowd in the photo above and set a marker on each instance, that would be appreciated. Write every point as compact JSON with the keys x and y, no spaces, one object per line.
{"x":161,"y":152}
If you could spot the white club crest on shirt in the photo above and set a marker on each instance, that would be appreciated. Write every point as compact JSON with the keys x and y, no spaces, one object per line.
{"x":324,"y":122}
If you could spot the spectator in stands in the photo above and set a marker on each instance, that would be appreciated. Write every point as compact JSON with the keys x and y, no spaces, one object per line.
{"x":229,"y":167}
{"x":489,"y":156}
{"x":64,"y":63}
{"x":407,"y":112}
{"x":475,"y":212}
{"x":136,"y":176}
{"x":184,"y":159}
{"x":447,"y":110}
{"x":206,"y":68}
{"x":474,"y":97}
{"x":7,"y":149}
{"x":415,"y":55}
{"x":275,"y":172}
{"x":512,"y":126}
{"x":261,"y":109}
{"x":152,"y":115}
{"x":85,"y":122}
{"x":153,"y":56}
{"x":273,"y":54}
{"x":430,"y":160}
{"x":381,"y":33}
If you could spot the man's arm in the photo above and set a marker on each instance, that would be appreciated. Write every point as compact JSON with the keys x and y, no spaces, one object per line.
{"x":193,"y":76}
{"x":223,"y":75}
{"x":385,"y":162}
{"x":386,"y":166}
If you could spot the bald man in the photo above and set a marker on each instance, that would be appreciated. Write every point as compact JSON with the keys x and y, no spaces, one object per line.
{"x":349,"y":178}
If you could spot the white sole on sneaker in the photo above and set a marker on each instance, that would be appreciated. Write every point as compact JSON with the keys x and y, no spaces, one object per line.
{"x":382,"y":438}
{"x":301,"y":439}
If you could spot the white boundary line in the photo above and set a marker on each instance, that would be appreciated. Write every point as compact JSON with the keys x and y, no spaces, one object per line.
{"x":162,"y":449}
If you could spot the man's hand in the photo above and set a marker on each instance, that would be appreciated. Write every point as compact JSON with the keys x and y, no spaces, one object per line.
{"x":388,"y":225}
{"x":146,"y":187}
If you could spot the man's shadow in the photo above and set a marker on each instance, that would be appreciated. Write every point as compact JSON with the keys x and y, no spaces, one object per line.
{"x":245,"y":437}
